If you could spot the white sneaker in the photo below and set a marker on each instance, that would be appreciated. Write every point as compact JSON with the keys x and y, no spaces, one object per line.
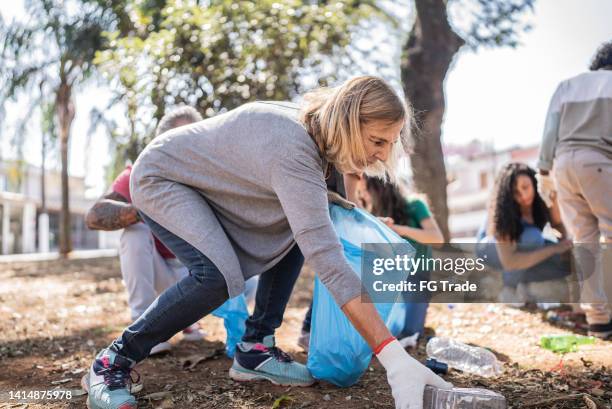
{"x":194,"y":333}
{"x":161,"y":348}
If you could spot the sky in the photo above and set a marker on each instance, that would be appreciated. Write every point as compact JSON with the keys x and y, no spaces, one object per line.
{"x":501,"y":96}
{"x":497,"y":96}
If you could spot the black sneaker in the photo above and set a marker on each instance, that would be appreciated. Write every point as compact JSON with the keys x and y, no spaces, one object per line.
{"x":603,"y":331}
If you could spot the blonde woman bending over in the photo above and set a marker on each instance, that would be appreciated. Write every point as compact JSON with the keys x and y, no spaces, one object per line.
{"x":244,"y":194}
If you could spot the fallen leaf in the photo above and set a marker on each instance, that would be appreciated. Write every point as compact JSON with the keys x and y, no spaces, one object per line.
{"x":136,"y":387}
{"x":191,"y":361}
{"x":79,"y":392}
{"x":157,"y":395}
{"x":166,"y":404}
{"x":61,"y":381}
{"x":597,"y":392}
{"x":281,"y":400}
{"x":588,"y":402}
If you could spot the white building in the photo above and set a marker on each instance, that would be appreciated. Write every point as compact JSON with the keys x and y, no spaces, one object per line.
{"x":472,"y":171}
{"x":21,"y":231}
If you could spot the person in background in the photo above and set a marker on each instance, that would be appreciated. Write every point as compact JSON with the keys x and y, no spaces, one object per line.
{"x":533,"y":269}
{"x":147,"y":266}
{"x":577,"y":148}
{"x":407,"y":215}
{"x":410,"y":218}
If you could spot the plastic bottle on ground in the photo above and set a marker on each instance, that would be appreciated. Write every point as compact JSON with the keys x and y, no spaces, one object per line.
{"x":466,"y":358}
{"x":462,"y":398}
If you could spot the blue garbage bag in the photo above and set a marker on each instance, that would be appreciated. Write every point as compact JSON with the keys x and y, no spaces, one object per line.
{"x":234,"y":313}
{"x":337,"y":352}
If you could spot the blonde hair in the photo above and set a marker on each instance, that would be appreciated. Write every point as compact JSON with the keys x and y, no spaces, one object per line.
{"x":334,"y":116}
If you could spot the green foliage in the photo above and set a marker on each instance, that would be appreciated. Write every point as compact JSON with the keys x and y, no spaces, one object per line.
{"x":282,"y":401}
{"x":216,"y":55}
{"x":47,"y":125}
{"x":490,"y":23}
{"x":14,"y":174}
{"x":53,"y":47}
{"x":58,"y":39}
{"x":114,"y":15}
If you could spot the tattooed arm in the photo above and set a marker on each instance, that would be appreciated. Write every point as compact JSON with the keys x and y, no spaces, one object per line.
{"x":111,"y":212}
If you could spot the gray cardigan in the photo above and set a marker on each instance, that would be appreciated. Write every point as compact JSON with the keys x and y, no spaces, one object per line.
{"x":243,"y":187}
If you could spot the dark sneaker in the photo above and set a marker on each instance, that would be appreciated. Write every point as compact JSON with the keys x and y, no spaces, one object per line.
{"x":266,"y":361}
{"x":108,"y":382}
{"x":603,"y":331}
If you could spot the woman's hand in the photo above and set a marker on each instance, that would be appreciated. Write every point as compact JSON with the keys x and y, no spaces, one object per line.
{"x":407,"y":377}
{"x":388,"y":221}
{"x":429,"y":233}
{"x":563,"y":246}
{"x":335,"y":198}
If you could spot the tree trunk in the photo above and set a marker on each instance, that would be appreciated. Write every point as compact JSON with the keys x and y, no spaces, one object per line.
{"x":65,"y":116}
{"x":43,"y":217}
{"x":427,"y":57}
{"x":43,"y":169}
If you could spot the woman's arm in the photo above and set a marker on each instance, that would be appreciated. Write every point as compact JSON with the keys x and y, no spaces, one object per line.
{"x":429,"y":233}
{"x":366,"y":321}
{"x":406,"y":376}
{"x":512,"y":259}
{"x":555,"y":215}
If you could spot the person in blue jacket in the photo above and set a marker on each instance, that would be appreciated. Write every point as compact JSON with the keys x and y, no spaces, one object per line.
{"x":513,"y":241}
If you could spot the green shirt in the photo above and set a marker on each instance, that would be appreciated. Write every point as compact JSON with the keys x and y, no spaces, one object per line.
{"x":417,"y":212}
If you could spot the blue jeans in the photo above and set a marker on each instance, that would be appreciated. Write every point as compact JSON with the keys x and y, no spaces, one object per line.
{"x":203,"y":291}
{"x":553,"y":268}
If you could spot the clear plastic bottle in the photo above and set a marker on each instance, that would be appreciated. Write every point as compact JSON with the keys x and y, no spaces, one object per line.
{"x":466,"y":358}
{"x":462,"y":398}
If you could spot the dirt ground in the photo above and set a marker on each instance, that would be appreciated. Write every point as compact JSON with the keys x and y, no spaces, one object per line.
{"x":55,"y":315}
